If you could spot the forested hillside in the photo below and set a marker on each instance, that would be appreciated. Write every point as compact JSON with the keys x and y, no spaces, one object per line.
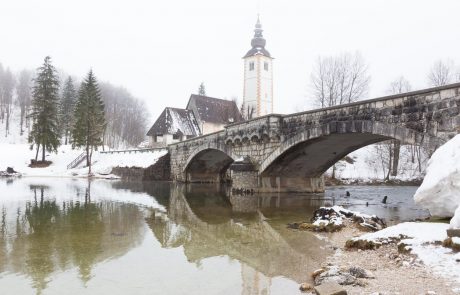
{"x":126,"y":115}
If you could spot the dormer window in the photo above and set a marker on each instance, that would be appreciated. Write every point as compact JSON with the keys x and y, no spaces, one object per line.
{"x":266,"y":66}
{"x":251,"y":66}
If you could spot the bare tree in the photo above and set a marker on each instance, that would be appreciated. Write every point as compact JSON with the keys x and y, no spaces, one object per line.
{"x":399,"y":85}
{"x":7,"y":83}
{"x":441,"y":73}
{"x":24,"y":96}
{"x":339,"y":79}
{"x":126,"y":117}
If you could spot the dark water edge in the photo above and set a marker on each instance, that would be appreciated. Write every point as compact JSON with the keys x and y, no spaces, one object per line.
{"x":121,"y":237}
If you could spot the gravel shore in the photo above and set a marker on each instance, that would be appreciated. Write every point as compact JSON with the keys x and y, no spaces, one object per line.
{"x":395,"y":273}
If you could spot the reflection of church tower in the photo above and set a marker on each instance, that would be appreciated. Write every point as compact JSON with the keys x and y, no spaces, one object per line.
{"x":254,"y":282}
{"x":258,"y":77}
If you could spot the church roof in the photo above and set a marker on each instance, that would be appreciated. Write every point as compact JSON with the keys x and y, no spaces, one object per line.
{"x":175,"y":121}
{"x":214,"y":110}
{"x":258,"y":42}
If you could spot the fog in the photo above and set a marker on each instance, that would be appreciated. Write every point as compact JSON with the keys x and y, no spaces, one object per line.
{"x":162,"y":50}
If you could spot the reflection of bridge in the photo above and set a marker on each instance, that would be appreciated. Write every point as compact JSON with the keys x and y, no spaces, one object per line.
{"x":291,"y":152}
{"x":208,"y":227}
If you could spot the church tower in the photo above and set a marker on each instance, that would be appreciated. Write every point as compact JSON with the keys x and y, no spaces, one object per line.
{"x":258,"y":77}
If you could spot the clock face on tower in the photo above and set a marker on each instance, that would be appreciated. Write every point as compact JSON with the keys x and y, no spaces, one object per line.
{"x":258,"y":77}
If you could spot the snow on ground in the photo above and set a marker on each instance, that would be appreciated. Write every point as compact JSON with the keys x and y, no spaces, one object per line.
{"x":370,"y":164}
{"x":424,"y":239}
{"x":18,"y":157}
{"x":440,"y":190}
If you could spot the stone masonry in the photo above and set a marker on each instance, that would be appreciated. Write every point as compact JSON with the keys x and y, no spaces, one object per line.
{"x":291,"y":152}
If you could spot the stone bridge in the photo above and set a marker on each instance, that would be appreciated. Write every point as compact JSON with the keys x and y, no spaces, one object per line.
{"x":283,"y":153}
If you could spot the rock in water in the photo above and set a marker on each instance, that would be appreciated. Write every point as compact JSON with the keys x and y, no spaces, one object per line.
{"x":330,"y":289}
{"x":384,"y":201}
{"x":10,"y":170}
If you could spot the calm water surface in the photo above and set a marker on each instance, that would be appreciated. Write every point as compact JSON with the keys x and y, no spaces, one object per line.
{"x":64,"y":236}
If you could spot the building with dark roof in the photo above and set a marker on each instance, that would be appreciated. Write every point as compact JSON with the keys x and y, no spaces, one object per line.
{"x":173,"y":125}
{"x":212,"y":114}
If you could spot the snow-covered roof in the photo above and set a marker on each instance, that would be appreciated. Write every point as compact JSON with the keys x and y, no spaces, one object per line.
{"x":175,"y":121}
{"x":214,"y":110}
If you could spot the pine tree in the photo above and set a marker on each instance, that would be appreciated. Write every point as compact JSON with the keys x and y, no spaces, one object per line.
{"x":69,"y":97}
{"x":89,"y":115}
{"x":45,"y":108}
{"x":202,"y":89}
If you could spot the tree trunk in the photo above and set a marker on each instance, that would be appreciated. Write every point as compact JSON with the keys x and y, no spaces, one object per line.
{"x":89,"y":166}
{"x":396,"y":150}
{"x":43,"y":153}
{"x":21,"y":121}
{"x":36,"y":154}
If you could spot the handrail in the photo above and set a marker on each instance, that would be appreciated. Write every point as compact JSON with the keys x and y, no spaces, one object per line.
{"x":134,"y":151}
{"x":76,"y":161}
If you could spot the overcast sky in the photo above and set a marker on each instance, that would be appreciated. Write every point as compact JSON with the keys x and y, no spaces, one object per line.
{"x":162,"y":50}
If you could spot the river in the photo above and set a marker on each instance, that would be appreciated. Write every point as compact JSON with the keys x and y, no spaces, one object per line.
{"x":72,"y":236}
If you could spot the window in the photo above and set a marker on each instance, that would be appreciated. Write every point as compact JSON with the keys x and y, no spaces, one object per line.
{"x":266,"y":66}
{"x":176,"y":136}
{"x":251,"y":66}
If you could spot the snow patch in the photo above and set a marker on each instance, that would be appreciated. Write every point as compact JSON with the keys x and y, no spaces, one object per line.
{"x":424,"y":239}
{"x":440,"y":190}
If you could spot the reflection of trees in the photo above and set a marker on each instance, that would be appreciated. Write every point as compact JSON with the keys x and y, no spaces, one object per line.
{"x":41,"y":215}
{"x":49,"y":235}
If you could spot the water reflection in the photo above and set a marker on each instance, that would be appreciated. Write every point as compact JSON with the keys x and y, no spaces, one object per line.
{"x":210,"y":224}
{"x":42,"y":236}
{"x":125,"y":237}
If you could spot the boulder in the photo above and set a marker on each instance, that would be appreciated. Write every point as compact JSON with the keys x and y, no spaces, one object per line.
{"x":440,"y":190}
{"x":304,"y":287}
{"x":330,"y":289}
{"x":361,"y":273}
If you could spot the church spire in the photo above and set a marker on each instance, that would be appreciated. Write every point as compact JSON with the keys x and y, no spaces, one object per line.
{"x":258,"y":42}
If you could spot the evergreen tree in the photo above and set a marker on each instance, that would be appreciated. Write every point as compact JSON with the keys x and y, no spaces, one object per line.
{"x":45,"y":108}
{"x":69,"y":96}
{"x":90,"y":124}
{"x":202,"y":89}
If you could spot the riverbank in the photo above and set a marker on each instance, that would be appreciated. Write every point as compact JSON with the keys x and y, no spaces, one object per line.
{"x":431,"y":269}
{"x":18,"y":157}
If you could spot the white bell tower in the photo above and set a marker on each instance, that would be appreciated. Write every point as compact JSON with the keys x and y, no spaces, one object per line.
{"x":258,"y":77}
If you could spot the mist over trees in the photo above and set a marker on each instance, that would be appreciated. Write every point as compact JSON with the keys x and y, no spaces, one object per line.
{"x":339,"y":79}
{"x":126,"y":116}
{"x":7,"y":83}
{"x":23,"y":92}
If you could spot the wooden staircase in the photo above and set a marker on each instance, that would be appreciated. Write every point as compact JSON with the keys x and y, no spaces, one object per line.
{"x":77,"y":161}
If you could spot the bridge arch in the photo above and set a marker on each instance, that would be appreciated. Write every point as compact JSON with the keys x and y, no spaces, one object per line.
{"x":208,"y":164}
{"x":310,"y":152}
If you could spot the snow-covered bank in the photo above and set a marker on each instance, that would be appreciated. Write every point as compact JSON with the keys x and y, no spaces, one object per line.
{"x":440,"y":190}
{"x":369,"y":165}
{"x":18,"y":157}
{"x":424,"y":240}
